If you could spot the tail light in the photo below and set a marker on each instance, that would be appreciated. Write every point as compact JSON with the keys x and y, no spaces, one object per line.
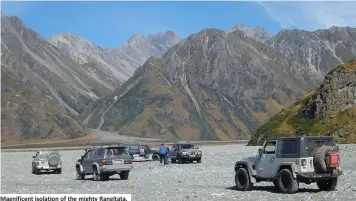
{"x":60,"y":162}
{"x":104,"y":162}
{"x":303,"y":162}
{"x":128,"y":161}
{"x":38,"y":163}
{"x":131,"y":161}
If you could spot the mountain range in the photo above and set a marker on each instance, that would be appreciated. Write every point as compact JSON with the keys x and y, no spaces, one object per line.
{"x":221,"y":85}
{"x":210,"y":85}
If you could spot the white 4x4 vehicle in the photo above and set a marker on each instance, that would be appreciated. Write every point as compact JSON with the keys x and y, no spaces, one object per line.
{"x":47,"y":160}
{"x":288,"y":161}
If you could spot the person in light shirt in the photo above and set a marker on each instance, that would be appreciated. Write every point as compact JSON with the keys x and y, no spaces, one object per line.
{"x":163,"y":153}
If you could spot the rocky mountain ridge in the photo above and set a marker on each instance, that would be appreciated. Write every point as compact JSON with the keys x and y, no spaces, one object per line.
{"x":62,"y":82}
{"x":318,"y":51}
{"x":118,"y":63}
{"x":44,"y":68}
{"x":329,"y":110}
{"x":212,"y":85}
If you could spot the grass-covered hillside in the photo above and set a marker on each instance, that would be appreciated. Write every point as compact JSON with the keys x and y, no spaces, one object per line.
{"x":329,"y":110}
{"x":27,"y":116}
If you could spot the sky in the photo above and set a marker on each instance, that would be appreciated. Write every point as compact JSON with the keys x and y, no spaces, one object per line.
{"x":109,"y":24}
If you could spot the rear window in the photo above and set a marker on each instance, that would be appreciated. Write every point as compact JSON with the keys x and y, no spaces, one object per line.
{"x":44,"y":155}
{"x":116,"y":151}
{"x":314,"y":144}
{"x":133,"y":147}
{"x":187,"y":146}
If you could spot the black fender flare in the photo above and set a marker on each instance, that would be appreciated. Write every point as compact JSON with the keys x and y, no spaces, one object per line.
{"x":245,"y":165}
{"x":290,"y":166}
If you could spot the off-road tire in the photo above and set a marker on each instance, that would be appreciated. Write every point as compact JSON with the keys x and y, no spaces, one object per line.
{"x":327,"y":185}
{"x":319,"y":159}
{"x":180,"y":161}
{"x":106,"y":177}
{"x":37,"y":171}
{"x":124,"y":175}
{"x":199,"y":160}
{"x":275,"y":183}
{"x":79,"y":174}
{"x":58,"y":171}
{"x":33,"y":170}
{"x":155,"y":157}
{"x":96,"y":175}
{"x":286,"y":183}
{"x":242,"y":180}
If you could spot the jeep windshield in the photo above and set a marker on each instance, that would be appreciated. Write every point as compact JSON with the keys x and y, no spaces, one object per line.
{"x":187,"y":146}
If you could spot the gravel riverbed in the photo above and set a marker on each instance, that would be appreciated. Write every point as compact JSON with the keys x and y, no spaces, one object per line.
{"x":213,"y":179}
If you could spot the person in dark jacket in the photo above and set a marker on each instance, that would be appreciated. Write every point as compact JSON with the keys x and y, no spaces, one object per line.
{"x":166,"y":158}
{"x":162,"y":152}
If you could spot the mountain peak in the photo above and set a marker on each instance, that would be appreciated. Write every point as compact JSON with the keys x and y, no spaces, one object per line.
{"x":256,"y":33}
{"x":68,"y":37}
{"x":239,"y":26}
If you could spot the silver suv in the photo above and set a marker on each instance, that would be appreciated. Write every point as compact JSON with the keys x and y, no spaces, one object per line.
{"x":47,"y":160}
{"x":288,"y":161}
{"x":103,"y":162}
{"x":185,"y":152}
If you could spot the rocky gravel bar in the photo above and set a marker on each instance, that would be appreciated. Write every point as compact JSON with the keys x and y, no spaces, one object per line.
{"x":213,"y":179}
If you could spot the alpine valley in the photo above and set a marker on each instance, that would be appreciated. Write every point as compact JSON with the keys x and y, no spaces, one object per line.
{"x":211,"y":85}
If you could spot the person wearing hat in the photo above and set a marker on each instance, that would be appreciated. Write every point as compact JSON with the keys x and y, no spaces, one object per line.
{"x":162,"y":152}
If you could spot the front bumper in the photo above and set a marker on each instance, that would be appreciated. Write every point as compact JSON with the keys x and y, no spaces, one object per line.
{"x":138,"y":158}
{"x":115,"y":168}
{"x":315,"y":177}
{"x":190,"y":157}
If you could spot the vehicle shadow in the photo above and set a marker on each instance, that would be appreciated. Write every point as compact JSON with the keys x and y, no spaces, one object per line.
{"x":44,"y":173}
{"x":273,"y":189}
{"x":92,"y":179}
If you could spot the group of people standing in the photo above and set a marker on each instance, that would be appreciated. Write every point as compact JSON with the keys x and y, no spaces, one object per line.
{"x":164,"y":151}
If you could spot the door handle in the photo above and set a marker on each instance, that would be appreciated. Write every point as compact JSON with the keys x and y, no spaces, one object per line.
{"x":272,"y":159}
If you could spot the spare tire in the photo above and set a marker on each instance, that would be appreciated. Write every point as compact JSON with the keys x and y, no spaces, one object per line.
{"x":319,"y":159}
{"x":53,"y":160}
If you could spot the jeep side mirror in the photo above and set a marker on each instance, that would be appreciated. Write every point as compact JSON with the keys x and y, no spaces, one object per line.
{"x":33,"y":156}
{"x":260,"y":152}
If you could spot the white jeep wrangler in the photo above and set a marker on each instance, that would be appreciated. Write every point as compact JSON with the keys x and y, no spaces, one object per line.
{"x":288,"y":161}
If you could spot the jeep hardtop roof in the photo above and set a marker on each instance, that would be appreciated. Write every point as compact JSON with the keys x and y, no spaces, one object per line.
{"x":304,"y":137}
{"x":132,"y":144}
